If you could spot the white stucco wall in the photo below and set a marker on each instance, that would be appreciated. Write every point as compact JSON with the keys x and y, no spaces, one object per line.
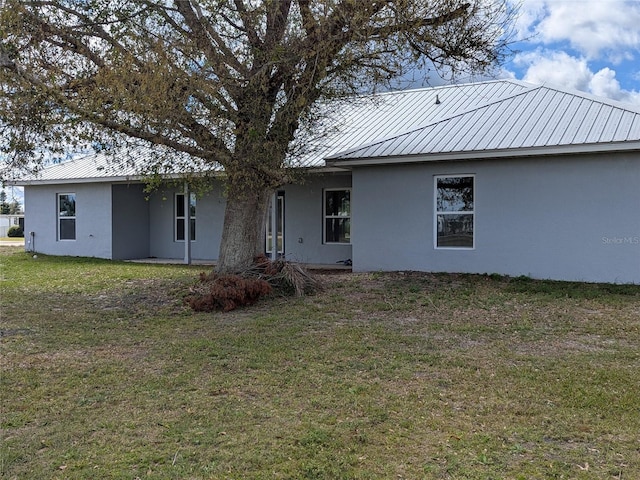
{"x":93,"y":220}
{"x":575,"y":218}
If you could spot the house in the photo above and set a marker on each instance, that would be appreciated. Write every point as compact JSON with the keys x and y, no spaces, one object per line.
{"x":493,"y":177}
{"x":8,"y":221}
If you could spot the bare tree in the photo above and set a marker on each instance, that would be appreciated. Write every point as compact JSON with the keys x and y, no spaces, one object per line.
{"x":226,"y":82}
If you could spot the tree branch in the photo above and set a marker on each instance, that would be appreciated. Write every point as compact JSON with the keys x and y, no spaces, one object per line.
{"x":248,"y":26}
{"x":201,"y":31}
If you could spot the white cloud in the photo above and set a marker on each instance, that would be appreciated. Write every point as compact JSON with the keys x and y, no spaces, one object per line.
{"x":530,"y":13}
{"x":594,"y":28}
{"x":604,"y":83}
{"x":562,"y":69}
{"x":554,"y":67}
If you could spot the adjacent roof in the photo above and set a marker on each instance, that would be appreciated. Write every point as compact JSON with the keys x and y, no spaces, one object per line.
{"x":122,"y":166}
{"x":378,"y":117}
{"x":83,"y":169}
{"x":480,"y":120}
{"x":537,"y":120}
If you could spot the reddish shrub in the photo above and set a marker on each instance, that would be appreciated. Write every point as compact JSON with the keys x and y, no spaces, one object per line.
{"x":226,"y":292}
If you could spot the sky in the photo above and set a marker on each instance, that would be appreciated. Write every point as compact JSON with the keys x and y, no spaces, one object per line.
{"x":587,"y":45}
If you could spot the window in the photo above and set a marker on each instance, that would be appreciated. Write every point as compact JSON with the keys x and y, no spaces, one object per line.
{"x":454,"y":216}
{"x":181,"y":217}
{"x":66,"y":216}
{"x":337,"y":216}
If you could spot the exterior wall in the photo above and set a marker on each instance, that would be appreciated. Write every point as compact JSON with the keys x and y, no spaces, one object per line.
{"x":304,"y":220}
{"x":209,"y":221}
{"x":572,"y":218}
{"x":116,"y":221}
{"x":130,"y":222}
{"x":93,"y":220}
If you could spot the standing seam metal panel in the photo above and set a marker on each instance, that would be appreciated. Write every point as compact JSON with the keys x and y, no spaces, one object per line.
{"x":595,"y":134}
{"x":550,"y":109}
{"x":564,"y":119}
{"x":589,"y":119}
{"x":610,"y":128}
{"x":624,"y":127}
{"x":495,"y":121}
{"x":575,"y":123}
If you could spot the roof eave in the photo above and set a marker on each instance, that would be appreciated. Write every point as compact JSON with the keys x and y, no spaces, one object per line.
{"x":68,"y":181}
{"x":138,"y":178}
{"x":612,"y":147}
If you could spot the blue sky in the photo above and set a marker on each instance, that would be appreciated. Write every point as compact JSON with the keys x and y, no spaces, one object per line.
{"x":588,"y":45}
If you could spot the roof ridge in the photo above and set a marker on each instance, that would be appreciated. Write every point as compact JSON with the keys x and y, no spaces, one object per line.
{"x":528,"y":89}
{"x":627,"y":107}
{"x":449,"y":86}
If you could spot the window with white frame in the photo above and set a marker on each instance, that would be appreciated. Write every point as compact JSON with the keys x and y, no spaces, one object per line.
{"x":181,"y":216}
{"x":337,"y":216}
{"x":454,"y":211}
{"x":66,"y":216}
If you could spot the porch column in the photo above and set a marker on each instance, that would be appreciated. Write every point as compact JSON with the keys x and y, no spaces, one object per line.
{"x":187,"y":224}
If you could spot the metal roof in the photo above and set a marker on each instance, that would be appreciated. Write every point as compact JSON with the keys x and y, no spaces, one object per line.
{"x":122,"y":166}
{"x":381,"y":116}
{"x":89,"y":168}
{"x":537,"y":120}
{"x":478,"y":120}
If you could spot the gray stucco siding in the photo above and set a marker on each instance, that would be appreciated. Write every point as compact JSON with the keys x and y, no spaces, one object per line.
{"x":571,"y":218}
{"x":303,"y":222}
{"x":209,"y":220}
{"x":93,"y":219}
{"x":304,"y":241}
{"x":130,"y":222}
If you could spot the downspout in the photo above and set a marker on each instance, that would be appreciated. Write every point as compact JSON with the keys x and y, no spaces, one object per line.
{"x":187,"y":224}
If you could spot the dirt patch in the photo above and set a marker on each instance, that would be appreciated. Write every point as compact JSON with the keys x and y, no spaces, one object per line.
{"x":142,"y":295}
{"x":566,"y":346}
{"x":15,"y":332}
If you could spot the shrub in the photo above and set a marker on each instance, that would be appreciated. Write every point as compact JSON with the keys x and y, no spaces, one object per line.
{"x":15,"y":231}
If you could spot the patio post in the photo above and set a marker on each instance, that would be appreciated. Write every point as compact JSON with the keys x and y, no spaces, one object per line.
{"x":187,"y":224}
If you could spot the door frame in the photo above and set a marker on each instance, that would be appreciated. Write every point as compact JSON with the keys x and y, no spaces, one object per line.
{"x":275,"y":222}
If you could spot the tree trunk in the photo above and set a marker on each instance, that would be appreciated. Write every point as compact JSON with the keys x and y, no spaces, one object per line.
{"x":243,"y":230}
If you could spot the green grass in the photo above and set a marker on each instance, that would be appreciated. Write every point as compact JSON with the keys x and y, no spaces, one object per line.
{"x":105,"y":374}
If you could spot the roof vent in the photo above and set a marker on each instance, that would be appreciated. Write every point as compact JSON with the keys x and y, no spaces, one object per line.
{"x":437,"y":100}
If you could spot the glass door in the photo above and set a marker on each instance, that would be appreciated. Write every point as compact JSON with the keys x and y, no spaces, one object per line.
{"x":279,"y":227}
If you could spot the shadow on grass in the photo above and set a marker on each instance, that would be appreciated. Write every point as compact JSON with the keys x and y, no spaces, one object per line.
{"x":577,"y":290}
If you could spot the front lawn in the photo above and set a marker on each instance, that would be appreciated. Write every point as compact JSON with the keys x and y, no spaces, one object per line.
{"x":106,"y":374}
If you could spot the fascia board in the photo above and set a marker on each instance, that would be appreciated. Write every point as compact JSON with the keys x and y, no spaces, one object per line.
{"x":486,"y":154}
{"x":69,"y":181}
